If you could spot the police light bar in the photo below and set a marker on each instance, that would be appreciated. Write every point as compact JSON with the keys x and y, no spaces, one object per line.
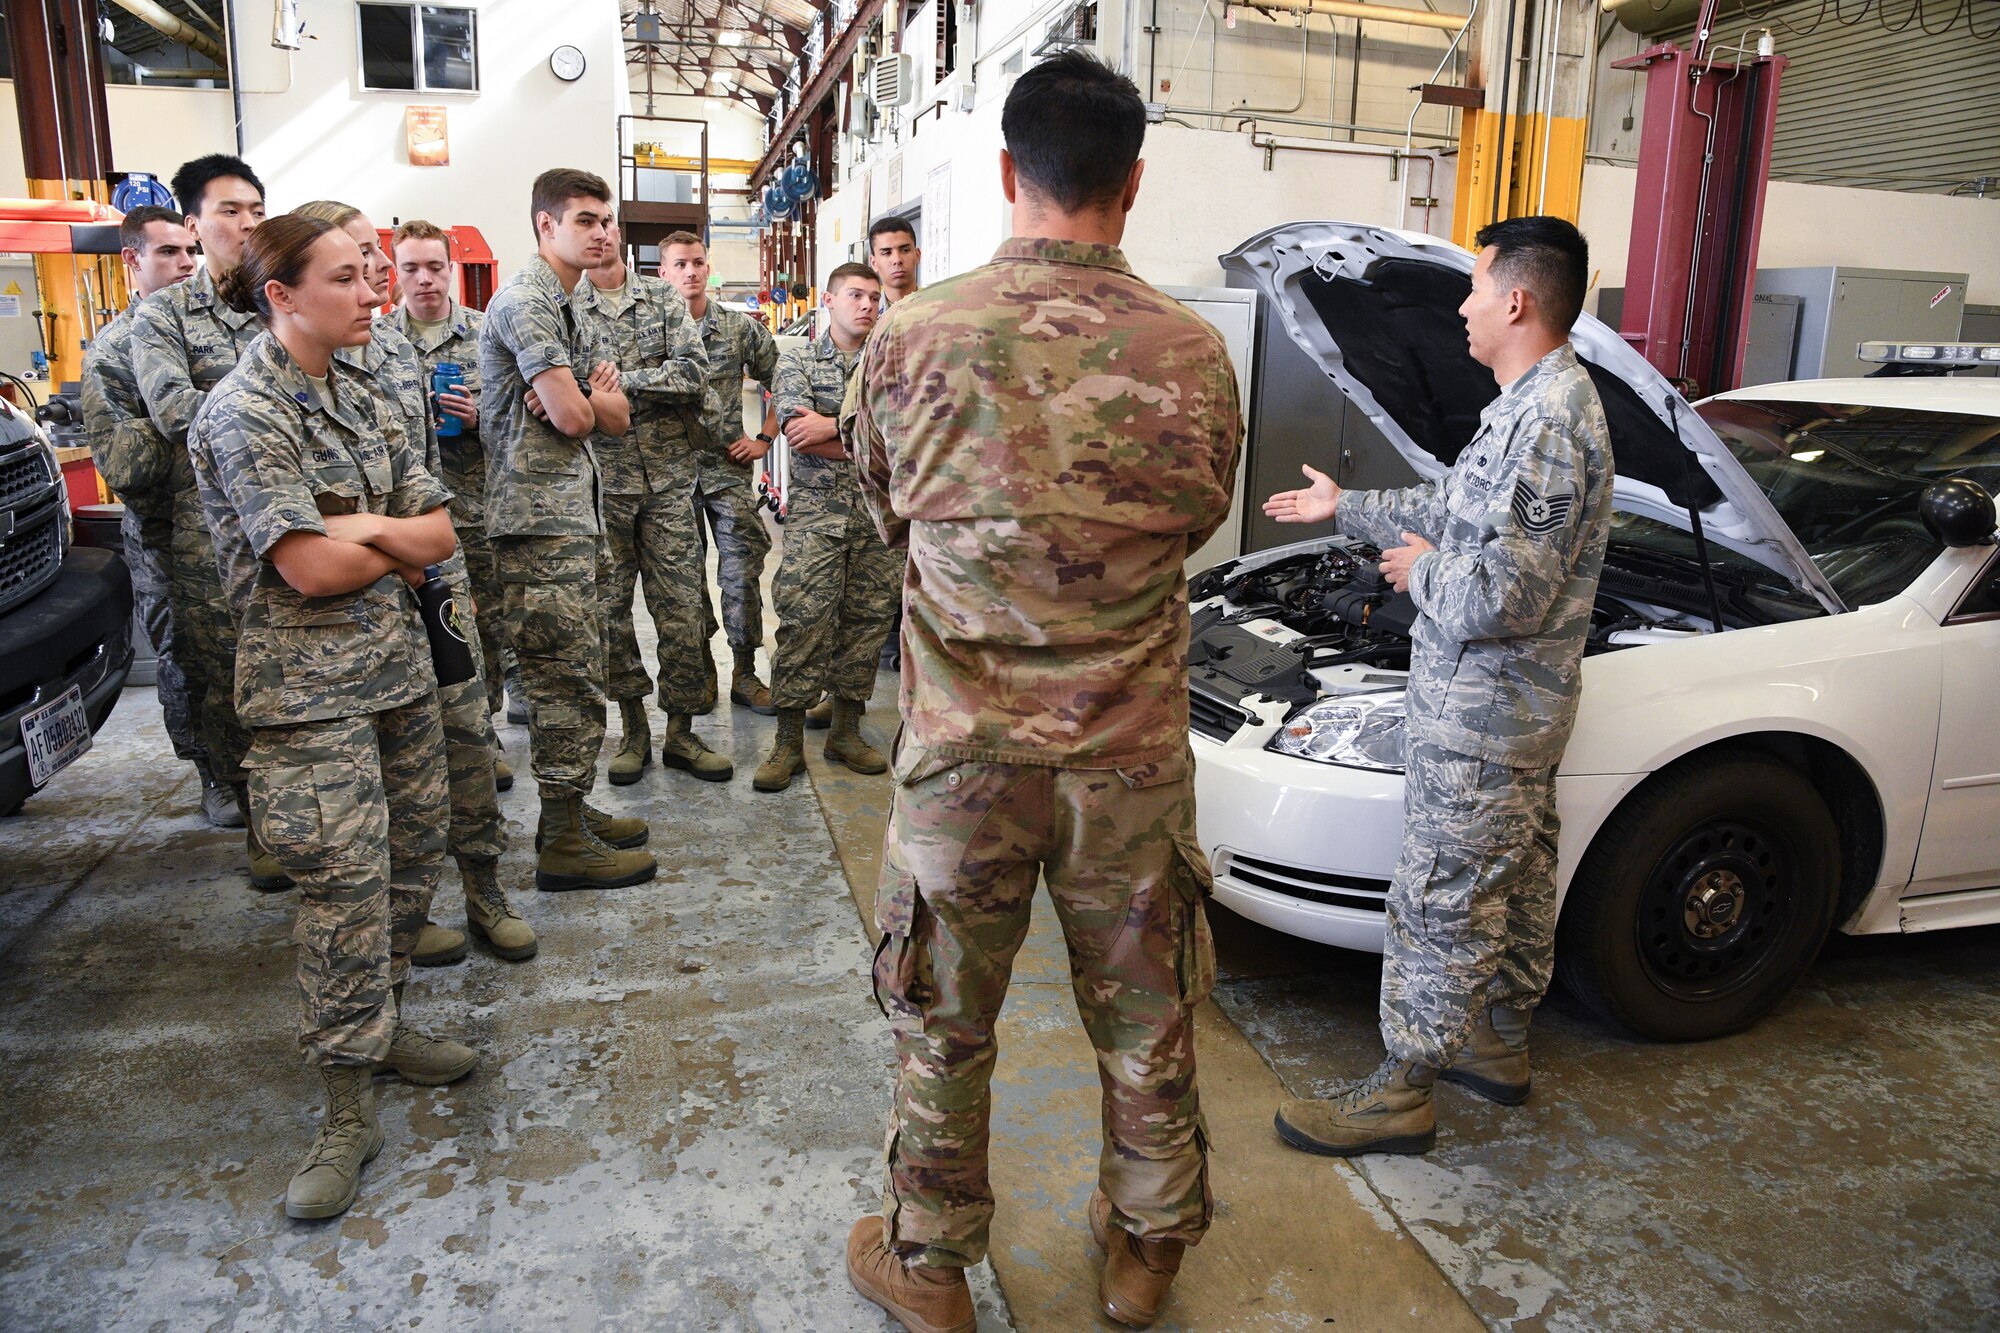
{"x":1930,"y":354}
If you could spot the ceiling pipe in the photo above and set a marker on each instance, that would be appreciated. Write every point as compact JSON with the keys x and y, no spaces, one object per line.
{"x":1353,"y":9}
{"x":173,"y":26}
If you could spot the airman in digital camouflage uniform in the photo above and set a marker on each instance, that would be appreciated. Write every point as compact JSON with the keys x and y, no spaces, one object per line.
{"x":322,"y":515}
{"x":737,"y":346}
{"x":1051,"y":437}
{"x":837,"y":584}
{"x":184,"y":340}
{"x":545,"y":386}
{"x":1502,"y":556}
{"x":477,"y":835}
{"x":144,"y":472}
{"x":650,"y":531}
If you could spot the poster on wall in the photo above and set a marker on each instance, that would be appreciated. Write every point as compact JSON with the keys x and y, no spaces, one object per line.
{"x":937,"y":223}
{"x":424,"y":129}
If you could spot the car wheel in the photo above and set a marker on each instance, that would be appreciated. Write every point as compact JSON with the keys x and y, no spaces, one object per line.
{"x":1702,"y":900}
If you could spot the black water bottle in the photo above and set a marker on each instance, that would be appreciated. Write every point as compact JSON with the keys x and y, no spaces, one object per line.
{"x":451,"y":654}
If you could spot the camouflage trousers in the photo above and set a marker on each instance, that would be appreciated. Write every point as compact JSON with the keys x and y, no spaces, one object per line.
{"x":148,"y":555}
{"x":1472,"y":911}
{"x":837,"y":590}
{"x":965,"y":845}
{"x":477,"y":830}
{"x":205,"y":639}
{"x":489,"y":605}
{"x":550,"y":589}
{"x":728,"y":499}
{"x":354,"y":809}
{"x":653,"y":541}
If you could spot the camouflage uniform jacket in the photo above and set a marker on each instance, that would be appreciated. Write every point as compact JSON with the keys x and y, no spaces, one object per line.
{"x":813,"y":378}
{"x":539,"y":481}
{"x":737,"y":346}
{"x":1519,"y":523}
{"x":644,"y":329}
{"x":270,"y":459}
{"x":1051,"y":437}
{"x":456,"y":341}
{"x":137,"y":462}
{"x":184,"y":340}
{"x":392,"y":365}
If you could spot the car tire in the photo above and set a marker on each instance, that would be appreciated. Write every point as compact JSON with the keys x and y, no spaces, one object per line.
{"x":1702,"y":900}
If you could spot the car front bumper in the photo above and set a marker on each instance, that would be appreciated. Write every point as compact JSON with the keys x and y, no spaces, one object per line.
{"x":76,"y":632}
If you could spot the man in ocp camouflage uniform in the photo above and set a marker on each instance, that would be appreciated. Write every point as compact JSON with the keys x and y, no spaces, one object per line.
{"x":184,"y":340}
{"x":1502,"y":557}
{"x":737,"y":346}
{"x":144,"y":472}
{"x":1051,"y":437}
{"x":545,"y":386}
{"x":651,"y":535}
{"x":837,"y":583}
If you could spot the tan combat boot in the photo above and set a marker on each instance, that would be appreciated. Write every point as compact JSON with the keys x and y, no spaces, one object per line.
{"x":844,"y":744}
{"x":1494,"y":1063}
{"x":620,"y":831}
{"x":683,"y":749}
{"x":636,"y":751}
{"x":788,"y":753}
{"x":1388,"y":1112}
{"x":503,"y":772}
{"x":571,"y":856}
{"x":266,"y":875}
{"x":437,"y":946}
{"x":1137,"y":1272}
{"x":820,"y":716}
{"x":418,"y":1057}
{"x":489,"y":917}
{"x":328,"y":1179}
{"x":923,"y":1298}
{"x":746,"y":689}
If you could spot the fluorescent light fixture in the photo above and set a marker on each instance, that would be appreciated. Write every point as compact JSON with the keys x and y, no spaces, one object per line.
{"x":1808,"y":455}
{"x":732,"y":37}
{"x":725,"y":78}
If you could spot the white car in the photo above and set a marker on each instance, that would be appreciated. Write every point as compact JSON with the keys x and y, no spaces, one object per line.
{"x":1830,"y":758}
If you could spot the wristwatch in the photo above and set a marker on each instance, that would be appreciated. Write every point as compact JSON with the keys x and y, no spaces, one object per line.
{"x":765,"y":438}
{"x":582,"y":384}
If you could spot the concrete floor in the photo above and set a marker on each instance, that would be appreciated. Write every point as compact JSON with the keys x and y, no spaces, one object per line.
{"x":680,"y":1111}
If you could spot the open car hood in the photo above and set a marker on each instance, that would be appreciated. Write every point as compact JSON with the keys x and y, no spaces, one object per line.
{"x":1377,"y":309}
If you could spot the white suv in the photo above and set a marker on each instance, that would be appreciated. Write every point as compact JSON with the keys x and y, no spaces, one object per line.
{"x":1830,"y":758}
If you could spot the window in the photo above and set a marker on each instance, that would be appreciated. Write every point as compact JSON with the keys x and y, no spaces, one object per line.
{"x":419,"y":48}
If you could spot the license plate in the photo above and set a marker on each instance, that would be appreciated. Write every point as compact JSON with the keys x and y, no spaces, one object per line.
{"x":55,"y":735}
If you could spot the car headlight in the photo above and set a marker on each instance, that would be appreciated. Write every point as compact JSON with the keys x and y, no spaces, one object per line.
{"x":1356,"y":731}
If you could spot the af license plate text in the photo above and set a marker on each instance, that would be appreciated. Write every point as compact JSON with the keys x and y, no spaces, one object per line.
{"x":55,"y":734}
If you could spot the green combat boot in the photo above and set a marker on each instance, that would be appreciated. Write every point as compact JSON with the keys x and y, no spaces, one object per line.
{"x":820,"y":716}
{"x":683,"y":749}
{"x":620,"y":831}
{"x":788,"y":755}
{"x":1388,"y":1112}
{"x":437,"y":946}
{"x":489,"y":917}
{"x":418,"y":1057}
{"x":1494,"y":1063}
{"x":503,"y":772}
{"x":746,"y":689}
{"x":348,"y":1139}
{"x":637,"y":750}
{"x":844,"y":744}
{"x":573,"y":857}
{"x":266,"y":875}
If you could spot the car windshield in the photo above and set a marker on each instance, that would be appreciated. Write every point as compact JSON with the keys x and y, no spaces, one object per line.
{"x":1846,"y":479}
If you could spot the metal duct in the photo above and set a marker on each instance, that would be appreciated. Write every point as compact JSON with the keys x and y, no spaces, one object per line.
{"x":1352,"y":9}
{"x":175,"y":27}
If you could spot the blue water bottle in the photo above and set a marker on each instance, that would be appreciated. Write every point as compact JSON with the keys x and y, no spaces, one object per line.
{"x":447,"y":377}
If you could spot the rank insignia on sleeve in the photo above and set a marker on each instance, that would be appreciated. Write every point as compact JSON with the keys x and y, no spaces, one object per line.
{"x":1541,"y":514}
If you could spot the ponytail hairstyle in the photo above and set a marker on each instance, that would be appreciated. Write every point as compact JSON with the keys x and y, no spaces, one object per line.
{"x":275,"y":252}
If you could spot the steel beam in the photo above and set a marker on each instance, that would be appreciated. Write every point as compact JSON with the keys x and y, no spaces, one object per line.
{"x":832,"y":69}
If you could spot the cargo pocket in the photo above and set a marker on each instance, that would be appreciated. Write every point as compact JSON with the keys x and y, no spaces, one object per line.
{"x":914,"y":763}
{"x":903,"y":984}
{"x":308,"y":815}
{"x":1194,"y":958}
{"x":321,"y":648}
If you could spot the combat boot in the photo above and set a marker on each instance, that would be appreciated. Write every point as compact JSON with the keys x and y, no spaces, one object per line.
{"x":1137,"y":1272}
{"x":746,"y":689}
{"x":437,"y":945}
{"x":573,"y":857}
{"x":637,"y":750}
{"x":619,"y":831}
{"x":820,"y":716}
{"x":1387,"y":1112}
{"x":266,"y":875}
{"x":218,"y":800}
{"x":503,"y":772}
{"x":1494,"y":1063}
{"x":844,"y":744}
{"x":924,"y":1298}
{"x":418,"y":1057}
{"x":517,"y":696}
{"x":788,"y":754}
{"x":683,"y":749}
{"x":328,"y":1179}
{"x":489,"y":917}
